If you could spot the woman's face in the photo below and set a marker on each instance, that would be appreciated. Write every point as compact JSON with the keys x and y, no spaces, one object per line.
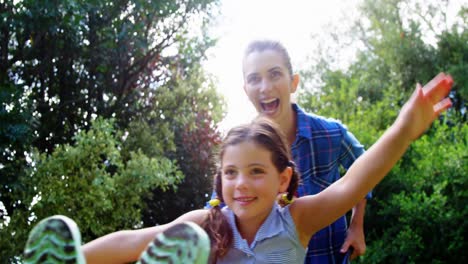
{"x":268,"y":84}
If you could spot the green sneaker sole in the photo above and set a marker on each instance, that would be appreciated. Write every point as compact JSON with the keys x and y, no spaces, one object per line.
{"x":55,"y":239}
{"x":184,"y":243}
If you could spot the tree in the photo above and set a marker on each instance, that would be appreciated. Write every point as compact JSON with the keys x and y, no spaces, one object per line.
{"x":453,"y":56}
{"x":90,"y":183}
{"x":190,"y":111}
{"x":64,"y":64}
{"x":74,"y":60}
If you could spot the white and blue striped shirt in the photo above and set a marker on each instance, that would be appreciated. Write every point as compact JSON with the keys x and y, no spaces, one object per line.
{"x":275,"y":242}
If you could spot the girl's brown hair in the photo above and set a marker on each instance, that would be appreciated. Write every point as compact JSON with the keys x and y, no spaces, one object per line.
{"x":266,"y":134}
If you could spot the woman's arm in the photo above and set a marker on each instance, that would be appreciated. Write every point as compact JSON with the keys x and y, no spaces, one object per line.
{"x":311,"y":213}
{"x":355,"y":237}
{"x":126,"y":246}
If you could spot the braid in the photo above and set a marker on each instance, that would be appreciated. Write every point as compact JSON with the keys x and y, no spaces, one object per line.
{"x":294,"y":183}
{"x":217,"y":226}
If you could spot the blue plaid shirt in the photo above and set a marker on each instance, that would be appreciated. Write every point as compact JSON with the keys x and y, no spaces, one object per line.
{"x":321,"y":146}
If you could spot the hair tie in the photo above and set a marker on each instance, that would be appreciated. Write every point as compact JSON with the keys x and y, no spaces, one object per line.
{"x":285,"y":199}
{"x":214,"y":202}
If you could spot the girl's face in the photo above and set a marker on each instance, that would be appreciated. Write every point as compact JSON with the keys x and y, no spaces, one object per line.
{"x":268,"y":84}
{"x":250,"y":181}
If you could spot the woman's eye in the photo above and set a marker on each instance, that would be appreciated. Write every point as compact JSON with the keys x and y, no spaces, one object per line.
{"x":253,"y":79}
{"x":275,"y":74}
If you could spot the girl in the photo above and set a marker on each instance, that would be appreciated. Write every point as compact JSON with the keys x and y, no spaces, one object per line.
{"x":255,"y":167}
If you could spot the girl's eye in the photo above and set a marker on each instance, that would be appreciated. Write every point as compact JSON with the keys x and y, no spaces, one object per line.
{"x":229,"y":172}
{"x":257,"y":171}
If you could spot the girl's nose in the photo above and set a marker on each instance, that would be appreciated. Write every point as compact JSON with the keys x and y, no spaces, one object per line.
{"x":242,"y":181}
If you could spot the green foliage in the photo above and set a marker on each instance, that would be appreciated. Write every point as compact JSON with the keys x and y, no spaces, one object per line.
{"x":80,"y":58}
{"x":418,"y":213}
{"x":186,"y":118}
{"x":65,"y":63}
{"x":423,"y":200}
{"x":453,"y":56}
{"x":89,"y":182}
{"x":16,"y":122}
{"x":74,"y":60}
{"x":15,"y":117}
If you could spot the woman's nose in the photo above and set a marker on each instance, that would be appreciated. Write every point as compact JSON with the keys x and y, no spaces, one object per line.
{"x":265,"y":85}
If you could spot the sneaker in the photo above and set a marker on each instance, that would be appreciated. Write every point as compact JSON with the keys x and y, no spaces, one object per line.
{"x":185,"y":243}
{"x":55,"y":239}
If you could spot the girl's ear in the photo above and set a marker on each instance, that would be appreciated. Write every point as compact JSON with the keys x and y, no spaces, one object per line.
{"x":294,"y":82}
{"x":285,"y":178}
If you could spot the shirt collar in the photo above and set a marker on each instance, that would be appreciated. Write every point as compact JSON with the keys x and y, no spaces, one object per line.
{"x":270,"y":228}
{"x":303,"y":126}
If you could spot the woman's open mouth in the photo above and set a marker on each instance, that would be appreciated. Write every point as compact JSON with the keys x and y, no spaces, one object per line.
{"x":269,"y":106}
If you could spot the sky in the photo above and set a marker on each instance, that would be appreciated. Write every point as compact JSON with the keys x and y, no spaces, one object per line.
{"x":291,"y":22}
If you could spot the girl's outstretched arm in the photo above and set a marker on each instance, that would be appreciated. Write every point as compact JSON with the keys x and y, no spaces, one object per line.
{"x":311,"y":213}
{"x":126,"y":246}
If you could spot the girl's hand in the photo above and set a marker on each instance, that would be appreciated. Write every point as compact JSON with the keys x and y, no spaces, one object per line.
{"x":425,"y":105}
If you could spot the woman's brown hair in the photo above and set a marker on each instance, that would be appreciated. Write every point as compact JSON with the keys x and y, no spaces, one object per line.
{"x":266,"y":134}
{"x":263,"y":45}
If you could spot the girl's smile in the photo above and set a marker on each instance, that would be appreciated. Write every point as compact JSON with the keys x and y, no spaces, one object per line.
{"x":244,"y":200}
